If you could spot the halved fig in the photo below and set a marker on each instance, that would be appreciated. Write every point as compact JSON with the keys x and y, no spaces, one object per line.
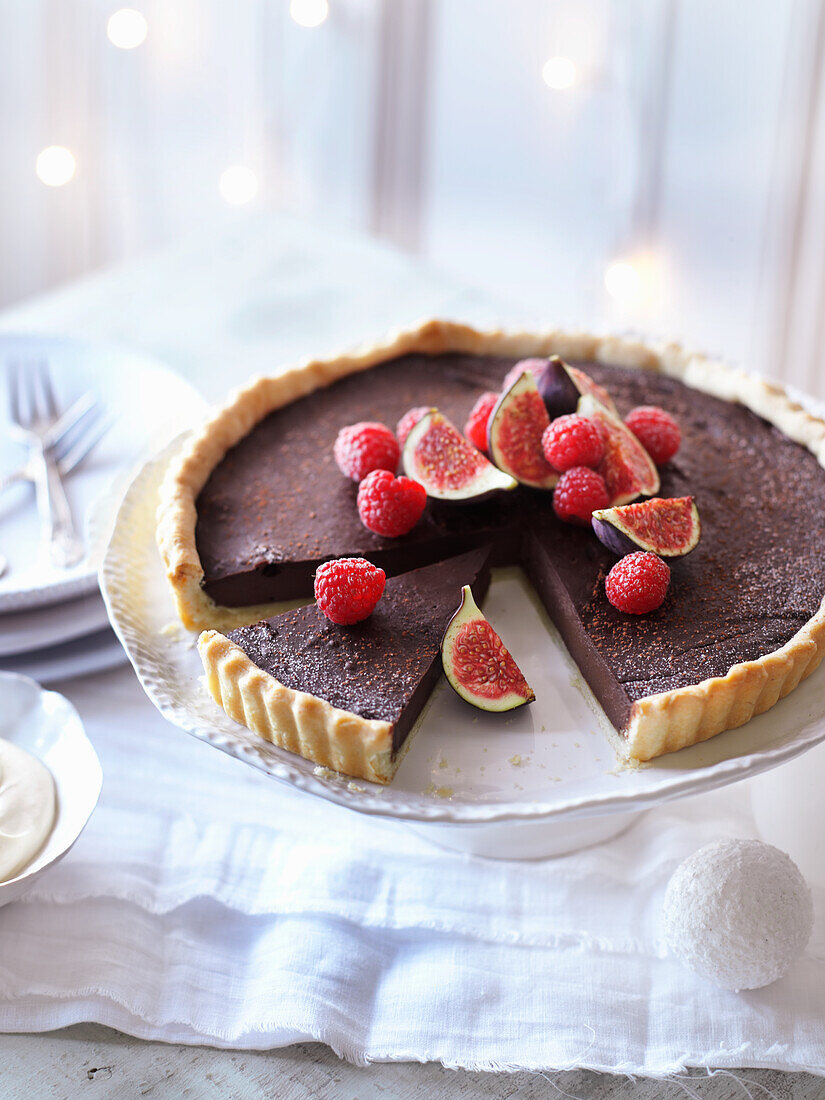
{"x":667,"y":527}
{"x":438,"y":456}
{"x":514,"y":433}
{"x":478,"y":665}
{"x":561,"y":386}
{"x":628,"y":470}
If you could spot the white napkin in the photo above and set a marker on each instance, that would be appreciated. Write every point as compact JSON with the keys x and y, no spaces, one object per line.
{"x":208,"y":904}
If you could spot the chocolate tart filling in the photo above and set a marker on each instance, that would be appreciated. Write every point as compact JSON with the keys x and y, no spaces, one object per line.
{"x":277,"y":505}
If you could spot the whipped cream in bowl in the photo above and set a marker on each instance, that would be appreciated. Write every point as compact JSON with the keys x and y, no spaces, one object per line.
{"x":27,"y":808}
{"x":50,"y":781}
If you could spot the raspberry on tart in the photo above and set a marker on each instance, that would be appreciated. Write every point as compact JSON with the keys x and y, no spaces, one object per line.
{"x":579,"y":493}
{"x":361,"y":448}
{"x":347,"y":589}
{"x":476,"y":427}
{"x":656,"y":430}
{"x":388,"y":505}
{"x":638,"y":583}
{"x":573,"y":441}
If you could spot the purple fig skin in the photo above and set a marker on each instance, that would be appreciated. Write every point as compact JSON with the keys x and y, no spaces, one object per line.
{"x":557,"y":388}
{"x":616,"y":541}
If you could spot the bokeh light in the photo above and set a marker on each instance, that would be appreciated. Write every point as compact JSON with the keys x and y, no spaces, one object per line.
{"x":559,"y":73}
{"x":309,"y":13}
{"x":238,"y":184}
{"x":623,"y":281}
{"x":127,"y":28}
{"x":55,"y":165}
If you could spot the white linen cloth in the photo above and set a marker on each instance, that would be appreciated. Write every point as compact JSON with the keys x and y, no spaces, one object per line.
{"x":206,"y":903}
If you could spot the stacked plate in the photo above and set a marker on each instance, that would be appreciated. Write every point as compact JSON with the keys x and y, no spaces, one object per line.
{"x":53,"y":622}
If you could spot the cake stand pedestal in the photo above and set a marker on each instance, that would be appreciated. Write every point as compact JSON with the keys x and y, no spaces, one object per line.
{"x":526,"y":839}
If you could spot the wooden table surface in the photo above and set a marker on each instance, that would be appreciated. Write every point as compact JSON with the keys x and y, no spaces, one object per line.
{"x":91,"y":1061}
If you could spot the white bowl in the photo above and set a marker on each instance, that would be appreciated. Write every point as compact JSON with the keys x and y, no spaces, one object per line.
{"x":47,"y":725}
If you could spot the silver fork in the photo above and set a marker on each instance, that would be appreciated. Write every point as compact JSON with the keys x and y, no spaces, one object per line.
{"x":78,"y":431}
{"x":33,"y":412}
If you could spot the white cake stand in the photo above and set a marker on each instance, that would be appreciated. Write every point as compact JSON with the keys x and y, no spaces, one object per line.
{"x":540,"y":781}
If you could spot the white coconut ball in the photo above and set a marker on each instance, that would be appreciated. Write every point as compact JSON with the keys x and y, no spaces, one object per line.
{"x":738,"y":912}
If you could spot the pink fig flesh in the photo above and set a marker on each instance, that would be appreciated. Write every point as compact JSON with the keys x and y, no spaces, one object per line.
{"x":438,"y":456}
{"x":478,"y":665}
{"x":586,"y":385}
{"x":514,"y":433}
{"x":667,"y":527}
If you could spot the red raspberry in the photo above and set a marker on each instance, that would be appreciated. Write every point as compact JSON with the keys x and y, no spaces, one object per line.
{"x":476,"y":427}
{"x":657,"y":432}
{"x":390,"y":506}
{"x":408,"y":421}
{"x":364,"y":447}
{"x":638,"y":583}
{"x":572,"y":441}
{"x":578,"y":494}
{"x":347,"y":589}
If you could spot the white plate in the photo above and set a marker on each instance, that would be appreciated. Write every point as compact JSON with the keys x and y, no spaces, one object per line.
{"x":151,"y":406}
{"x":550,"y":760}
{"x":23,"y":631}
{"x":48,"y":726}
{"x":80,"y":657}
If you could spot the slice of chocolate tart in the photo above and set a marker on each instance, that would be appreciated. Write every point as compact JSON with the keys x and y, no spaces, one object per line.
{"x":346,"y":697}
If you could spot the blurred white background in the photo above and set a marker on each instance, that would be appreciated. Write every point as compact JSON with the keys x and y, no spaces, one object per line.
{"x":650,"y":164}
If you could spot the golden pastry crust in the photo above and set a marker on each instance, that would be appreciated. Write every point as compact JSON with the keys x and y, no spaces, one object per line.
{"x":295,"y":720}
{"x":658,"y":724}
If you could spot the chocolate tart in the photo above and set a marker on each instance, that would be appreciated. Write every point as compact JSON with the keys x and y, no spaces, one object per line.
{"x":254,"y":503}
{"x":344,"y":695}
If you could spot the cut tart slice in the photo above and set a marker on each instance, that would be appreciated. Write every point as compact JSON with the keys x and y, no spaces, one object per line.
{"x":345,"y":697}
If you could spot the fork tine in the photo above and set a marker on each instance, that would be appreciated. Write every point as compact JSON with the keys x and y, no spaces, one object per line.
{"x":28,"y":405}
{"x":77,"y":431}
{"x":13,"y":388}
{"x":86,"y":406}
{"x":75,"y":455}
{"x":27,"y":393}
{"x":48,"y":404}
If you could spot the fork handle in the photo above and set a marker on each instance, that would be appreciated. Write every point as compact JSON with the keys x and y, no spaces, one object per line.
{"x":14,"y":478}
{"x":65,"y":547}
